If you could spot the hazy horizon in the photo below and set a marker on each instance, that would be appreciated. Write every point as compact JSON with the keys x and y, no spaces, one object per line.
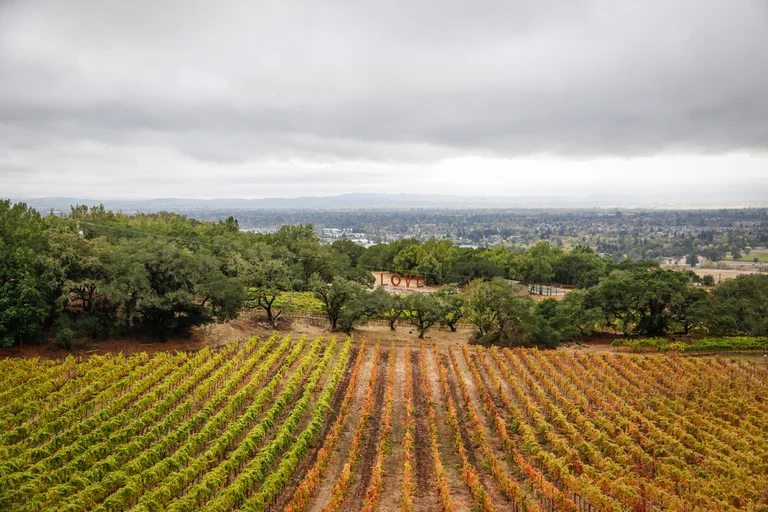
{"x":395,"y":202}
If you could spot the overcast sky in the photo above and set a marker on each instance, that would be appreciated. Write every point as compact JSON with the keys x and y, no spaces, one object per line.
{"x":166,"y":98}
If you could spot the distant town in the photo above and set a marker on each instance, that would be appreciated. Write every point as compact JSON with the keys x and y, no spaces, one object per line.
{"x":726,"y":237}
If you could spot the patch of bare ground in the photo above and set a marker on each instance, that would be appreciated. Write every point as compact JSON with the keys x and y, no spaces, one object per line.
{"x":370,"y":440}
{"x":448,"y":451}
{"x":461,"y":410}
{"x":336,"y":463}
{"x":721,"y":274}
{"x":208,"y":336}
{"x":309,"y":459}
{"x":426,"y":491}
{"x":393,"y":462}
{"x":240,"y":329}
{"x":466,"y":374}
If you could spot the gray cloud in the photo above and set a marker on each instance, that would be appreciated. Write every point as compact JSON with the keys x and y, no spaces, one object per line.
{"x":397,"y":82}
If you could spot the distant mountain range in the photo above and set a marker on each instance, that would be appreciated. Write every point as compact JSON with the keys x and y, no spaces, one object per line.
{"x":400,"y":201}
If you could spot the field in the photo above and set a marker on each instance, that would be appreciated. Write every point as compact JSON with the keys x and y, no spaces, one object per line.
{"x":719,"y":274}
{"x":760,"y":254}
{"x":295,"y":423}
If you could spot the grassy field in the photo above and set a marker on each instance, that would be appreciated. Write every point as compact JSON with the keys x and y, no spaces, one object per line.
{"x":761,"y":255}
{"x":717,"y":273}
{"x":296,"y":423}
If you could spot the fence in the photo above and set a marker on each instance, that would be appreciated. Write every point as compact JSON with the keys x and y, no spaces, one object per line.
{"x":547,"y":289}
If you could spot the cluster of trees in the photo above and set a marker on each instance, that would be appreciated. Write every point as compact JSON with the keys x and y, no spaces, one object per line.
{"x":347,"y":303}
{"x":636,"y":299}
{"x":95,"y":272}
{"x":500,"y":310}
{"x":442,"y":262}
{"x":694,"y":249}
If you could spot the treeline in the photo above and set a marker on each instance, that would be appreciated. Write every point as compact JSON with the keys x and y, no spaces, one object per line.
{"x":633,"y":299}
{"x":442,"y":262}
{"x":96,"y":273}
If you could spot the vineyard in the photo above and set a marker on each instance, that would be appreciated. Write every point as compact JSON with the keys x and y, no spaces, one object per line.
{"x":289,"y":423}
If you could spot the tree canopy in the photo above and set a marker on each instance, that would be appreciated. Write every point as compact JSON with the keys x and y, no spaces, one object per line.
{"x":96,"y":273}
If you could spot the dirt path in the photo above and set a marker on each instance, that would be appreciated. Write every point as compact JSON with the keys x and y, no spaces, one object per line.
{"x":240,"y":329}
{"x":393,"y":463}
{"x":370,"y":440}
{"x":448,"y":451}
{"x":473,"y":454}
{"x":336,"y":463}
{"x":461,"y":411}
{"x":426,"y":497}
{"x":493,"y":437}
